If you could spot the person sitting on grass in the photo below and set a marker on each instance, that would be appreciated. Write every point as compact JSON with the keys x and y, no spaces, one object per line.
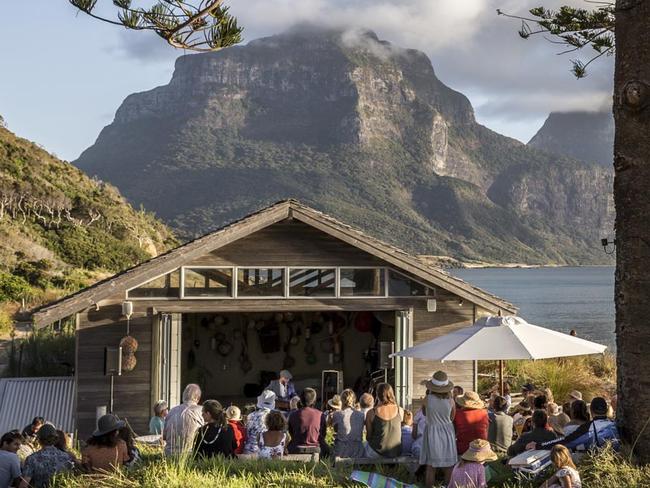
{"x":579,"y":414}
{"x":407,"y":433}
{"x":500,"y":428}
{"x":157,"y":422}
{"x":105,"y":450}
{"x":63,"y":444}
{"x":557,"y":419}
{"x":216,"y":437}
{"x":539,"y":433}
{"x":567,"y":475}
{"x":233,"y":414}
{"x":41,"y":466}
{"x":9,"y":461}
{"x":523,"y":412}
{"x":128,"y":436}
{"x":255,"y":421}
{"x":469,"y":472}
{"x":589,"y":435}
{"x":348,"y":427}
{"x":182,"y":422}
{"x":419,"y":424}
{"x":384,"y":425}
{"x":307,"y":425}
{"x":272,"y":442}
{"x":367,"y":403}
{"x":30,"y":431}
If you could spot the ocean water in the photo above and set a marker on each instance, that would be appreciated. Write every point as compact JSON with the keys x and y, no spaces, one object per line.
{"x":580,"y":298}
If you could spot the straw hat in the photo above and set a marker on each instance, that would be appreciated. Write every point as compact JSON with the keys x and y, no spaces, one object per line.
{"x":439,"y":383}
{"x":335,"y":402}
{"x":233,"y":413}
{"x":470,"y":399}
{"x":266,"y":400}
{"x":479,"y":451}
{"x":576,"y":395}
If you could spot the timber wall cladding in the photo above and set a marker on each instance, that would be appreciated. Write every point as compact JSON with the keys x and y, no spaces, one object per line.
{"x":449,"y":316}
{"x":288,"y":243}
{"x":132,"y":391}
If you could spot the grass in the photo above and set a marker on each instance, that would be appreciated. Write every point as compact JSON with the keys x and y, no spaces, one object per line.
{"x":592,"y":375}
{"x":605,"y":469}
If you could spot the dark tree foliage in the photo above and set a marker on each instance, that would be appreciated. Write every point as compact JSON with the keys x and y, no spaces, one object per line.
{"x":574,"y":29}
{"x":204,"y":25}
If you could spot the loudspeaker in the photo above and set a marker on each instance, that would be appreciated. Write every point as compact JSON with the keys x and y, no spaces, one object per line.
{"x":112,"y":361}
{"x":331,"y":384}
{"x":385,"y":350}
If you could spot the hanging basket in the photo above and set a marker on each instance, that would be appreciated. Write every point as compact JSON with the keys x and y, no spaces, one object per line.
{"x":129,"y":362}
{"x":129,"y":344}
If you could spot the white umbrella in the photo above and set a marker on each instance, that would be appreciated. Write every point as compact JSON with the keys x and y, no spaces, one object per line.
{"x":500,"y":338}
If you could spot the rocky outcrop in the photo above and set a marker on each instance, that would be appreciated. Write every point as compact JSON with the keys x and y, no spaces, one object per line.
{"x":587,"y":136}
{"x":352,"y":125}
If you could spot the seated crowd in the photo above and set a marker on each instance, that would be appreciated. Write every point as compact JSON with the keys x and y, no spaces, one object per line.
{"x":453,"y":432}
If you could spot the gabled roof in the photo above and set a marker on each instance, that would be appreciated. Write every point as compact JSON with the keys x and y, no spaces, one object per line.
{"x":248,"y":225}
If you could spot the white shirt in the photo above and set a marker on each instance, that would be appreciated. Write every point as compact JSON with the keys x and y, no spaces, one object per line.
{"x":9,"y":468}
{"x":181,"y":425}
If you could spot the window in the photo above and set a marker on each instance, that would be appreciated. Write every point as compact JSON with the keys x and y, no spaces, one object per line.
{"x":362,"y":282}
{"x":207,"y":282}
{"x":312,"y":282}
{"x":403,"y":286}
{"x":166,"y":286}
{"x":260,"y":282}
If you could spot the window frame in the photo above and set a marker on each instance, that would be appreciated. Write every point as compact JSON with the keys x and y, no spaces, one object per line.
{"x":233,"y":285}
{"x":180,"y":289}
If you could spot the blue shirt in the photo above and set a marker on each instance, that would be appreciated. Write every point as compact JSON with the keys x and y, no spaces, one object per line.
{"x":156,"y":425}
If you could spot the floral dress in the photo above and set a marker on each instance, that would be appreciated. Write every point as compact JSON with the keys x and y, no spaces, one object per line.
{"x":255,"y":426}
{"x":571,"y":473}
{"x":268,"y":452}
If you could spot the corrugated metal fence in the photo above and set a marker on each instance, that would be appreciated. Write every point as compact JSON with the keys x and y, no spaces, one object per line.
{"x":22,"y":399}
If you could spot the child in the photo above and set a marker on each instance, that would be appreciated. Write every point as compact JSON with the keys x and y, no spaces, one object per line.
{"x":233,"y":414}
{"x":272,"y":442}
{"x":470,"y":472}
{"x":567,"y":475}
{"x":419,"y":424}
{"x":157,"y":422}
{"x":407,"y":433}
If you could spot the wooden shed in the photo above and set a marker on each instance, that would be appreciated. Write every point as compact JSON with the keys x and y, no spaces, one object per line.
{"x":286,"y":287}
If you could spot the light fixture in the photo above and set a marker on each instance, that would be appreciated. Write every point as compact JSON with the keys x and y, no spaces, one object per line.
{"x":605,"y":242}
{"x":432,"y":305}
{"x":460,"y":302}
{"x":127,"y":309}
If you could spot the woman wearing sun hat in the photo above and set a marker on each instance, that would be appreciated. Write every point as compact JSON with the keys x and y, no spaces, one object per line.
{"x":471,"y":420}
{"x":439,"y":439}
{"x":256,"y":421}
{"x":470,"y":470}
{"x":105,"y":450}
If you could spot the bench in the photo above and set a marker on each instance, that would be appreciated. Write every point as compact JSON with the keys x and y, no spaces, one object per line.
{"x":313,"y":457}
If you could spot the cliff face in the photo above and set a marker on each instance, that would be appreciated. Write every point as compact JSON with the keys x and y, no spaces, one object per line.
{"x":587,"y":136}
{"x":354,"y":126}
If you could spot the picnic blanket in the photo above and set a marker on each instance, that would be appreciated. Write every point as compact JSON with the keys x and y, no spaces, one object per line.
{"x":376,"y":480}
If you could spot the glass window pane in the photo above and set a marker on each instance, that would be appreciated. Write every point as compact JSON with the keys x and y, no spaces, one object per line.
{"x":260,"y":282}
{"x":208,"y":282}
{"x":362,"y":282}
{"x":402,"y":286}
{"x":312,"y":282}
{"x":166,"y":286}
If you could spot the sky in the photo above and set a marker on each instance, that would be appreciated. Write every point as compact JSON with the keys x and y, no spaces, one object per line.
{"x":63,"y":75}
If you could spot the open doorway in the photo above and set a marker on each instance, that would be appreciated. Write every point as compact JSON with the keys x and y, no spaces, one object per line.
{"x":233,"y":356}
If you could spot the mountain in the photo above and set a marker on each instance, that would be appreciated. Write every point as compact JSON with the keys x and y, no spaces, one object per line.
{"x":587,"y":136}
{"x":61,"y":230}
{"x":358,"y":128}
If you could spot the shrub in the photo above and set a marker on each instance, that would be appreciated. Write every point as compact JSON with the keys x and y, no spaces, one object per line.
{"x":6,"y":323}
{"x":13,"y":287}
{"x":44,"y":353}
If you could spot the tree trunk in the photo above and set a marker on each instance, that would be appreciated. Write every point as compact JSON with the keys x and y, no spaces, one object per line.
{"x":632,"y":199}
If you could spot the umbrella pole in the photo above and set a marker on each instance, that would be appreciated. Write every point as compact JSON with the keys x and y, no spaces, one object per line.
{"x":501,"y":368}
